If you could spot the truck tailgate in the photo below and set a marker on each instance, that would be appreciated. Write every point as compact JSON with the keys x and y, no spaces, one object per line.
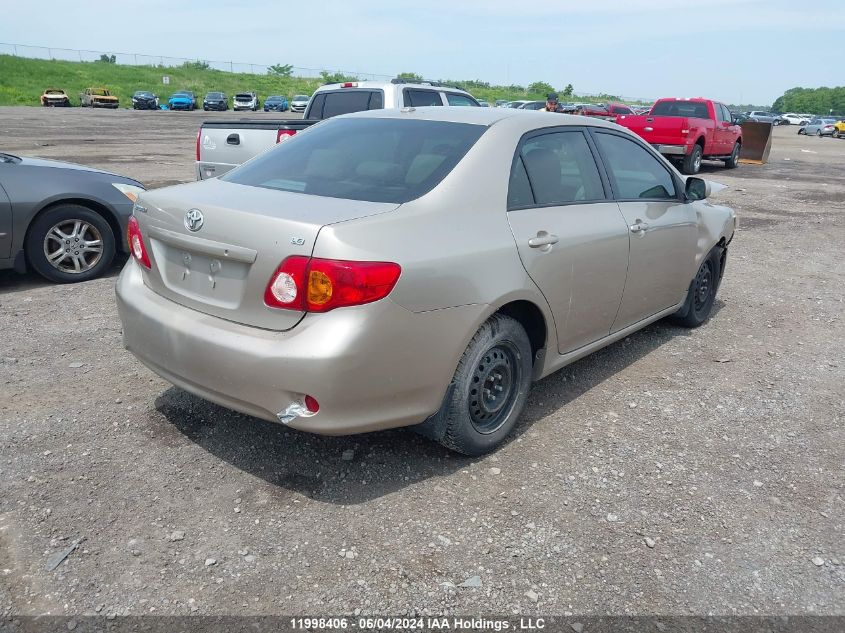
{"x":657,"y":130}
{"x":223,"y":145}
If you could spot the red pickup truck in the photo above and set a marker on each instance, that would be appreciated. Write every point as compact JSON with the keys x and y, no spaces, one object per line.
{"x":689,"y":130}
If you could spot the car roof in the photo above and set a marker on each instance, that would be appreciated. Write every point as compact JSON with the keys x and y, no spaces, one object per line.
{"x":389,"y":84}
{"x":529,"y":119}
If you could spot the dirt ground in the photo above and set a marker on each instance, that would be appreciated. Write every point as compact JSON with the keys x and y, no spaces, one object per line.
{"x":676,"y":472}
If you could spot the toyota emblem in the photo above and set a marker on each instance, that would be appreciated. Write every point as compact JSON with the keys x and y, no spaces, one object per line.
{"x":194,"y":220}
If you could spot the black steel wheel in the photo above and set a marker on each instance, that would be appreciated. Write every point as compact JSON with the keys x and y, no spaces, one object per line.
{"x":702,"y":290}
{"x":488,"y":391}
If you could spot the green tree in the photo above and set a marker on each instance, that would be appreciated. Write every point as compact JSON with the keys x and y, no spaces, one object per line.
{"x":335,"y":78}
{"x":280,"y":70}
{"x":540,"y":87}
{"x":568,"y":91}
{"x":197,"y":65}
{"x":410,"y":77}
{"x":108,"y":59}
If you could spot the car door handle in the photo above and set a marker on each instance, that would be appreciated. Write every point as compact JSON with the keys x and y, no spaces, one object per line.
{"x":543,"y":239}
{"x":639,"y":227}
{"x":233,"y":139}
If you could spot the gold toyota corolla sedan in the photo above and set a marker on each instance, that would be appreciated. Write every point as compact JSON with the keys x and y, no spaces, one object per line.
{"x":416,"y":267}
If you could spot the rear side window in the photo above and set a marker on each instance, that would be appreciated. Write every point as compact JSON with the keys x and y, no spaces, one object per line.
{"x":422,"y":98}
{"x":456,"y":99}
{"x":680,"y":108}
{"x":329,"y":104}
{"x":561,"y":169}
{"x":519,"y":189}
{"x":377,"y":160}
{"x":634,"y":171}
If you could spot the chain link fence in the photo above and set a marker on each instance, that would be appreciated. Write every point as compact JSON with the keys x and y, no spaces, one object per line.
{"x":140,"y":59}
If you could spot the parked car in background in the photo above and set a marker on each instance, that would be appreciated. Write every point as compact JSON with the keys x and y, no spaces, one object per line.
{"x":55,"y":97}
{"x":221,"y":145}
{"x":65,"y":221}
{"x":433,"y":234}
{"x":839,"y":129}
{"x":516,"y":104}
{"x":819,"y":126}
{"x":181,"y":101}
{"x":98,"y":98}
{"x":484,"y":104}
{"x":276,"y":103}
{"x":689,"y":130}
{"x":791,"y":118}
{"x":245,"y":101}
{"x":215,"y":101}
{"x":532,"y":105}
{"x":144,"y":100}
{"x":299,"y":103}
{"x":501,"y":102}
{"x":607,"y":111}
{"x":761,"y":117}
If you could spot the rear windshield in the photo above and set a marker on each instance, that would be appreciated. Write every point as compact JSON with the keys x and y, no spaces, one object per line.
{"x":680,"y":108}
{"x":328,"y":104}
{"x":376,"y":160}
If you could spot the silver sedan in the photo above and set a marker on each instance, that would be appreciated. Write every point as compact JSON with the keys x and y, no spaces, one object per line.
{"x":819,"y":127}
{"x":416,"y":267}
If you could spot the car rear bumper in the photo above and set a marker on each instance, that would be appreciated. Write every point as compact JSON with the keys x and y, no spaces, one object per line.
{"x":671,"y":150}
{"x":370,"y":367}
{"x":105,"y":104}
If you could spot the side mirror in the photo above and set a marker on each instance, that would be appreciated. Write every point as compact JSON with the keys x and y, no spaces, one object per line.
{"x":696,"y":189}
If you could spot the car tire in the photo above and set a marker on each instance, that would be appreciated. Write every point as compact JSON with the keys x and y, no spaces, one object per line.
{"x":702,"y":290}
{"x":819,"y":133}
{"x":733,"y":161}
{"x":78,"y":224}
{"x":692,"y":161}
{"x":488,"y":392}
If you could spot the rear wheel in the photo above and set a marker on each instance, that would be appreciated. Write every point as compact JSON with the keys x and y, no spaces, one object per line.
{"x":489,"y":389}
{"x":70,"y":243}
{"x":692,"y":161}
{"x":702,"y":291}
{"x":733,"y":161}
{"x":819,"y":132}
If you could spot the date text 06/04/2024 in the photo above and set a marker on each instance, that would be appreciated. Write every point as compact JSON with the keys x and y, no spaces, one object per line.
{"x":418,"y":624}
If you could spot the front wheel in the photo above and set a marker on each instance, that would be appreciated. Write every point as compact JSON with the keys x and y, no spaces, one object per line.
{"x":70,"y":243}
{"x":819,"y":133}
{"x":489,"y":389}
{"x":692,"y":161}
{"x":702,"y":291}
{"x":733,"y":161}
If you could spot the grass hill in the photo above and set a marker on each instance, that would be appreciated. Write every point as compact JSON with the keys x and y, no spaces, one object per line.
{"x":23,"y":80}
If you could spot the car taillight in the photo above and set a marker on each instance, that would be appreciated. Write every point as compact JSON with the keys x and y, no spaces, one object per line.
{"x":318,"y":285}
{"x":283,"y":135}
{"x":136,"y":243}
{"x":199,"y":134}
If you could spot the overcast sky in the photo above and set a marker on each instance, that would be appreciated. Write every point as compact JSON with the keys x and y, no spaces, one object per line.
{"x":738,"y":51}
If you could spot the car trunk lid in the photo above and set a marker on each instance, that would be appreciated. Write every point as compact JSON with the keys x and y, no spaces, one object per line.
{"x":240,"y":236}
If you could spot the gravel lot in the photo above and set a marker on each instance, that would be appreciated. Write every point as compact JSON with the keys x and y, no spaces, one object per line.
{"x":675,"y":472}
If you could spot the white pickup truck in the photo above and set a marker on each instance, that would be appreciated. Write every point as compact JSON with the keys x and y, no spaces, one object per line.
{"x":222,"y":145}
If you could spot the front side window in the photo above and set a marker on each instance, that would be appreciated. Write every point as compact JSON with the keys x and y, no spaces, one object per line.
{"x":635,"y":173}
{"x":376,"y":160}
{"x":561,"y":168}
{"x":422,"y":98}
